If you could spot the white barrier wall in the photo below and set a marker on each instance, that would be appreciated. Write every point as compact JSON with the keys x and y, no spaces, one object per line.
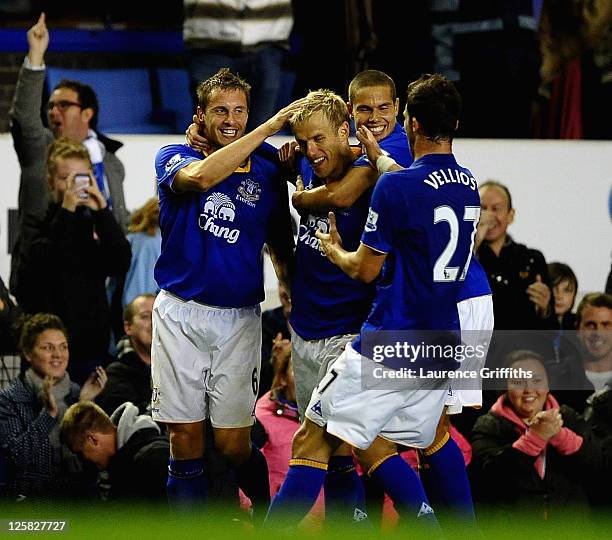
{"x":560,"y":190}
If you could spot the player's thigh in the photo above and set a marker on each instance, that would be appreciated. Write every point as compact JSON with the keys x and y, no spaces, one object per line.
{"x":306,"y":363}
{"x":416,"y":419}
{"x":234,"y":375}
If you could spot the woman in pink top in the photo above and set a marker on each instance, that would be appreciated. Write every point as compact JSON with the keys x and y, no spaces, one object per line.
{"x":530,"y":454}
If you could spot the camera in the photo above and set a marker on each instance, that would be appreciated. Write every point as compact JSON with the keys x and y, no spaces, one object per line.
{"x":81,"y":181}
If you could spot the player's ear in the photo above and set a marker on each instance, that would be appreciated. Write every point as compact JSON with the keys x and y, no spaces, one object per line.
{"x":396,"y":106}
{"x":199,"y":113}
{"x":344,"y":129}
{"x":349,"y":106}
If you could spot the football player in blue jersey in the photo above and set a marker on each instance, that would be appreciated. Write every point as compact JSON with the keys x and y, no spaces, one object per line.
{"x":328,"y":307}
{"x":216,"y":215}
{"x":418,"y":289}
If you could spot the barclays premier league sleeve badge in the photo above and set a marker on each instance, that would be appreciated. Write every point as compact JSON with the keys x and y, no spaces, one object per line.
{"x":370,"y":225}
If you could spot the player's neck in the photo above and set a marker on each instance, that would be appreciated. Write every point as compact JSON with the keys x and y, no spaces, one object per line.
{"x":423,"y":147}
{"x":345,"y":162}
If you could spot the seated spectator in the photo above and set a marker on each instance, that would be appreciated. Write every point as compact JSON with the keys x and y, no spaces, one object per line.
{"x":31,"y":408}
{"x":518,"y":275}
{"x":66,"y":257}
{"x":277,"y":412}
{"x":144,"y":237}
{"x":127,"y":445}
{"x":564,"y":288}
{"x":594,"y":316}
{"x":529,"y":454}
{"x":129,"y":377}
{"x":274,"y":339}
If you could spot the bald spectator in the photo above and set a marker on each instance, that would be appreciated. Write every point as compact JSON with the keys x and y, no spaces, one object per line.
{"x":518,"y":275}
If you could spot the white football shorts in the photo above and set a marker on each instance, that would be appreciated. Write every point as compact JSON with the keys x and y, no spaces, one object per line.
{"x":310,"y":360}
{"x":476,"y":320}
{"x":406,"y":413}
{"x":205,"y":362}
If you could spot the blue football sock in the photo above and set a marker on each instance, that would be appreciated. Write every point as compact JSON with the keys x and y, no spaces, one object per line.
{"x":447,"y":484}
{"x":344,"y":493}
{"x":404,"y":488}
{"x":298,"y":493}
{"x":252,"y":478}
{"x":186,"y":487}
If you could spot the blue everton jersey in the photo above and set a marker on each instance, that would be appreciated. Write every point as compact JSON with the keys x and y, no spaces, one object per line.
{"x":424,"y":218}
{"x":326,"y":302}
{"x":212,"y":241}
{"x":476,"y":282}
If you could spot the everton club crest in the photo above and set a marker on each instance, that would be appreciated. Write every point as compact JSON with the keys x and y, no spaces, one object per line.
{"x":249,"y":190}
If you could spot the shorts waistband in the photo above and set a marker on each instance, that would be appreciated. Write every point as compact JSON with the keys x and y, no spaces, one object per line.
{"x":201,"y":304}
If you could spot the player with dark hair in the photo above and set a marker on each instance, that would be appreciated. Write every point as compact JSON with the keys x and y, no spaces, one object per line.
{"x":216,"y":215}
{"x":409,"y":229}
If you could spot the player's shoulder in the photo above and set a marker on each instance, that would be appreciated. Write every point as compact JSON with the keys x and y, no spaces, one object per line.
{"x":266,"y":152}
{"x":172,"y":154}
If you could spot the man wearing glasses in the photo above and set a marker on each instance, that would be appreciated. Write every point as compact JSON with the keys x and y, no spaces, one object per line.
{"x":72,"y":112}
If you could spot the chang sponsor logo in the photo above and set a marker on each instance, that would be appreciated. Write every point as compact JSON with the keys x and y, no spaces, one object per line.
{"x":219,"y":208}
{"x":307,"y":230}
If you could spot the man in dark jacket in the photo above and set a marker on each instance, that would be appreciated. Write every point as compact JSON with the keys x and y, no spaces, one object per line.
{"x":127,"y":445}
{"x":518,"y":275}
{"x":129,"y":377}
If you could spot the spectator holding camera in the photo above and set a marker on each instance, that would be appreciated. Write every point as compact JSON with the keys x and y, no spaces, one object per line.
{"x":66,"y":256}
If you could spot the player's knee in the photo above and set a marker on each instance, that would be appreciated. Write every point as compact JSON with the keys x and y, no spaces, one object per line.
{"x":300,"y":440}
{"x":310,"y":441}
{"x":186,"y":441}
{"x":235,"y":450}
{"x":377,"y":453}
{"x":442,"y":435}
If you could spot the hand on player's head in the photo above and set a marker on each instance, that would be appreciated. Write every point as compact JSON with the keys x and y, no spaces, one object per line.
{"x":287,"y":154}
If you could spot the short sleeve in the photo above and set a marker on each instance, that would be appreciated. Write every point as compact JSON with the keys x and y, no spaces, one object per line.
{"x":168,"y":161}
{"x":378,"y":233}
